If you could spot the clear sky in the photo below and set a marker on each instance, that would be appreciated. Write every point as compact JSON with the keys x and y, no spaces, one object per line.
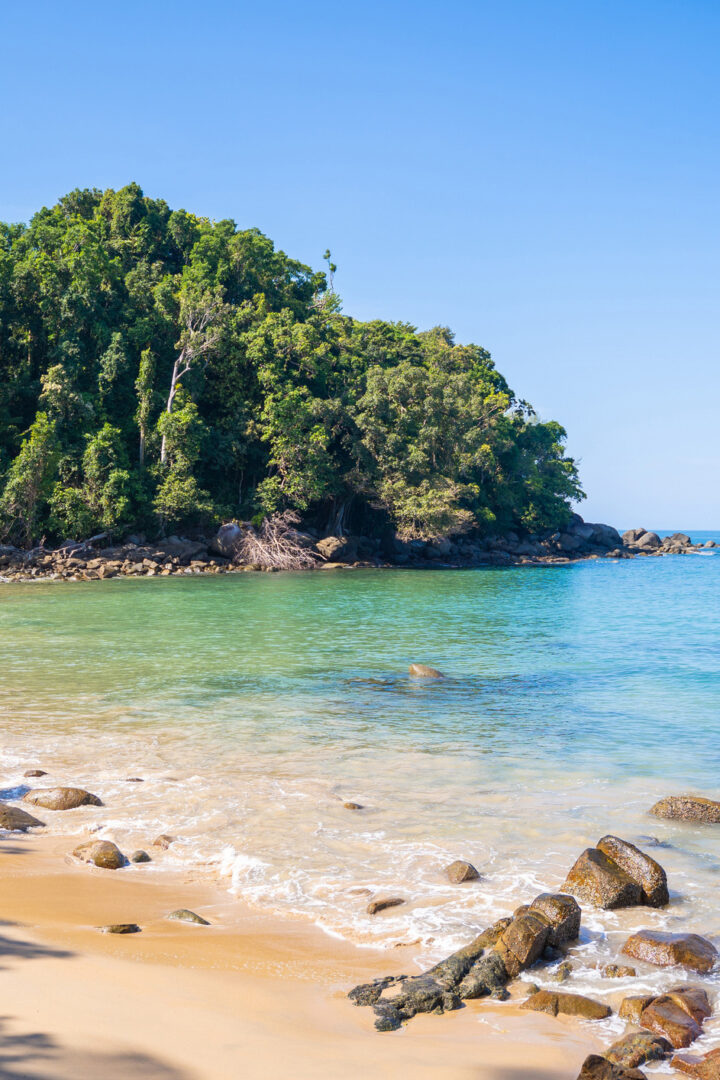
{"x":543,"y":177}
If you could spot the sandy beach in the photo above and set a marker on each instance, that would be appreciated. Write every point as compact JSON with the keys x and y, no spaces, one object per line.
{"x":251,"y":995}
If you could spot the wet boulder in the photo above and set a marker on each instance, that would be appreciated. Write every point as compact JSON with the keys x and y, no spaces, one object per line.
{"x":140,"y":857}
{"x":638,"y":1048}
{"x":596,"y":1067}
{"x":688,"y":808}
{"x":706,"y":1067}
{"x":486,"y":976}
{"x":618,"y":971}
{"x":383,"y":902}
{"x":665,"y":949}
{"x":61,"y":798}
{"x":423,"y":671}
{"x":554,"y":1002}
{"x":665,"y":1017}
{"x":460,"y":871}
{"x":562,"y":913}
{"x":35,"y":772}
{"x":163,"y":841}
{"x":597,"y":879}
{"x":102,"y":853}
{"x":17,"y":820}
{"x":631,"y":1007}
{"x":120,"y":928}
{"x":185,"y":915}
{"x":522,"y":944}
{"x":648,"y":873}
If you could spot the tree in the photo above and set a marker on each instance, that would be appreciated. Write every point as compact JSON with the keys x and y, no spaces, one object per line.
{"x":24,"y":499}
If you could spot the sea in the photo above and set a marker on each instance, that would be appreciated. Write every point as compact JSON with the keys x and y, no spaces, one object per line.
{"x":254,"y":706}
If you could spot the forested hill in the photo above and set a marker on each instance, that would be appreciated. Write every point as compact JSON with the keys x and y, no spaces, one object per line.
{"x":161,"y":371}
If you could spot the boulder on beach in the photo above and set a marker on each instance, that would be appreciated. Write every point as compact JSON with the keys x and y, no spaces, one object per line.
{"x":35,"y":772}
{"x":596,"y":879}
{"x":640,"y":867}
{"x":665,"y":949}
{"x":423,"y":671}
{"x":562,"y":913}
{"x":665,"y":1017}
{"x":375,"y":906}
{"x":140,"y":857}
{"x":120,"y":928}
{"x":352,"y":806}
{"x":554,"y":1002}
{"x":337,"y":548}
{"x":706,"y":1067}
{"x":17,"y":820}
{"x":163,"y":841}
{"x":638,"y":1048}
{"x":61,"y":798}
{"x":631,"y":1007}
{"x":460,"y":871}
{"x":102,"y":853}
{"x":596,"y":1067}
{"x":227,"y":540}
{"x":185,"y":915}
{"x":688,"y":808}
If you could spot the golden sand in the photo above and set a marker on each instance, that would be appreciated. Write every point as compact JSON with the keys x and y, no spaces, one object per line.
{"x":251,"y":997}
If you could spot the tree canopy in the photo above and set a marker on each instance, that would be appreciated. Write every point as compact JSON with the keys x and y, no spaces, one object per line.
{"x":162,"y":371}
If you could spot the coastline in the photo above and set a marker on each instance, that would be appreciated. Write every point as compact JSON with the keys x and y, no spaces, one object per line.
{"x":252,"y":994}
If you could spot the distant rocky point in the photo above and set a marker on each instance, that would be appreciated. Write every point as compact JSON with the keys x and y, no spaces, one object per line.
{"x":300,"y":548}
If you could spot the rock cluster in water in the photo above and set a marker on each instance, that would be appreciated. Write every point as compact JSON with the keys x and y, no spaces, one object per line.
{"x":137,"y":557}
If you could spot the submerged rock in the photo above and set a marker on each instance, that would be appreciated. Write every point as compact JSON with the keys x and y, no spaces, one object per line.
{"x":35,"y":772}
{"x":61,"y":798}
{"x":638,"y":1048}
{"x":640,"y":867}
{"x":596,"y":1067}
{"x":185,"y":915}
{"x":383,"y":902}
{"x":618,"y":971}
{"x":552,"y":1002}
{"x":422,"y":671}
{"x":102,"y":853}
{"x":140,"y":857}
{"x":163,"y":841}
{"x":664,"y":949}
{"x":460,"y":871}
{"x":17,"y":820}
{"x":688,"y":808}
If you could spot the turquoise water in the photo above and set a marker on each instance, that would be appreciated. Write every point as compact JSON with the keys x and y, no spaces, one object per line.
{"x":255,"y":704}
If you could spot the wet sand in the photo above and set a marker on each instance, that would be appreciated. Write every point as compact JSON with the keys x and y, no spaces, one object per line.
{"x":250,"y":996}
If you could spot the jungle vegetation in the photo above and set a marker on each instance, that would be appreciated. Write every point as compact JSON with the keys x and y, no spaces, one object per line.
{"x":160,"y":371}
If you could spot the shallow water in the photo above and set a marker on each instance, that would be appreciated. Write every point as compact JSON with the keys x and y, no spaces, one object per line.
{"x":254,"y":705}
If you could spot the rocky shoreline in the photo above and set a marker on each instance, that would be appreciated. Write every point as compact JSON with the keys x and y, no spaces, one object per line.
{"x":223,"y":553}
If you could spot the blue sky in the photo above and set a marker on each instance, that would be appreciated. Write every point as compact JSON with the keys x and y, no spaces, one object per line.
{"x":541,"y":177}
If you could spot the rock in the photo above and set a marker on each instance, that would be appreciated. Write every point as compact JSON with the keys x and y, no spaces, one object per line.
{"x":227,"y":540}
{"x":703,"y":1068}
{"x":185,"y":915}
{"x":665,"y":1017}
{"x":553,"y":1002}
{"x":17,"y":820}
{"x":522,"y":943}
{"x":563,"y":915}
{"x":61,"y":798}
{"x":618,"y":971}
{"x":597,"y":879}
{"x":336,"y":548}
{"x":486,"y":975}
{"x":352,"y":806}
{"x":460,"y":871}
{"x":631,"y":1007}
{"x":163,"y":841}
{"x":35,"y":772}
{"x":664,"y":949}
{"x":596,"y":1067}
{"x":422,"y":671}
{"x":563,"y":972}
{"x":134,"y":780}
{"x":648,"y":540}
{"x":649,"y":874}
{"x":120,"y":928}
{"x":140,"y":857}
{"x":681,"y":540}
{"x":688,"y":808}
{"x":632,"y":535}
{"x":638,"y":1048}
{"x":102,"y":853}
{"x":376,"y":906}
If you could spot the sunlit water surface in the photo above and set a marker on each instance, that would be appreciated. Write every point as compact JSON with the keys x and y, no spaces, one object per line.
{"x":255,"y":705}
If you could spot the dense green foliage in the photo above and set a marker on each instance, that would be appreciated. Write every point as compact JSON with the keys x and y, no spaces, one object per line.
{"x":161,"y":371}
